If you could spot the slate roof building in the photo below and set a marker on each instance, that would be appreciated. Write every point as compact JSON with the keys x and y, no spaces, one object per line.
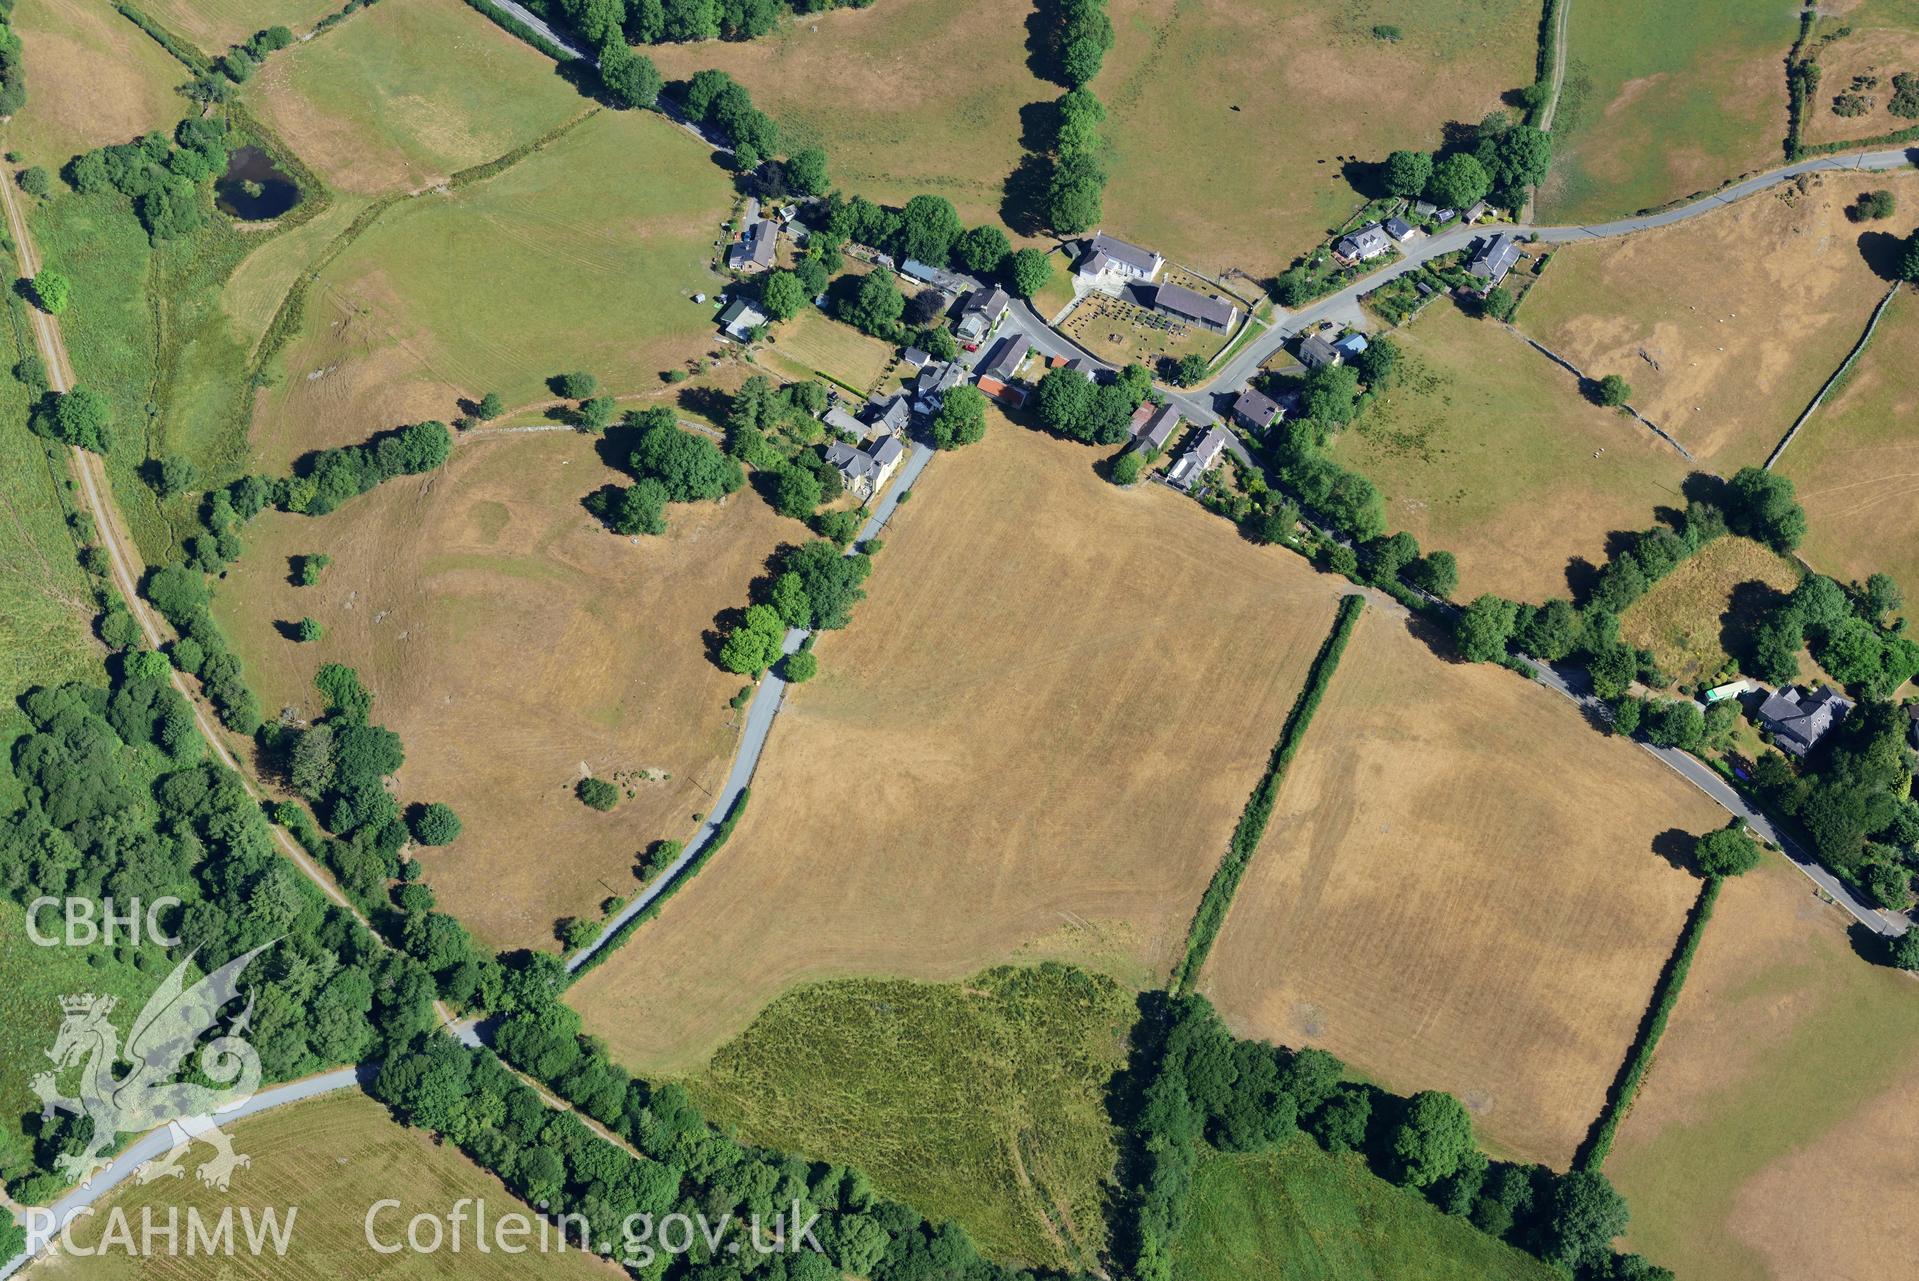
{"x":1005,"y":359}
{"x":1210,"y":313}
{"x":980,"y":315}
{"x":1255,"y":410}
{"x":1798,"y":719}
{"x":1350,"y":345}
{"x":1315,"y":352}
{"x":753,"y":251}
{"x":1495,"y":258}
{"x":1401,"y":230}
{"x":839,"y":420}
{"x":740,"y":319}
{"x":1109,"y":262}
{"x":1199,"y":459}
{"x":865,"y":470}
{"x":1154,"y":425}
{"x":1363,"y":245}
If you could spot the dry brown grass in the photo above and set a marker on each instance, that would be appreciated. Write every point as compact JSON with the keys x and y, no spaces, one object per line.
{"x":1485,"y":448}
{"x":93,"y":78}
{"x":1773,"y":1138}
{"x":332,"y":1157}
{"x":1031,"y":743}
{"x":214,"y":25}
{"x":401,"y":96}
{"x":1881,"y":51}
{"x":1856,"y":462}
{"x":1460,"y":891}
{"x":907,"y":97}
{"x":1230,"y":122}
{"x":1746,"y":312}
{"x":514,"y":644}
{"x":1715,"y":598}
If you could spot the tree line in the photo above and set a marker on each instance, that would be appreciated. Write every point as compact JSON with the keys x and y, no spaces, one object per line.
{"x":677,"y":21}
{"x":1198,"y":1088}
{"x":13,"y":65}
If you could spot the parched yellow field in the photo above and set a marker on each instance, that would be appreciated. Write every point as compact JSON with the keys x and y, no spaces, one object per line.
{"x":1883,"y":43}
{"x":93,"y":78}
{"x":332,"y":1158}
{"x":514,"y":643}
{"x":1726,"y":325}
{"x":400,"y":96}
{"x":1031,"y":743}
{"x":1773,"y":1139}
{"x":1462,"y":889}
{"x":1855,"y":464}
{"x":1231,"y":123}
{"x":214,"y":25}
{"x":502,"y":284}
{"x":1485,"y":448}
{"x":1707,"y":609}
{"x":908,"y":97}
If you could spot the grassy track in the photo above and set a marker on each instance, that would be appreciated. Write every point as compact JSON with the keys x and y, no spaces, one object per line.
{"x":982,"y":1100}
{"x":1306,"y":1215}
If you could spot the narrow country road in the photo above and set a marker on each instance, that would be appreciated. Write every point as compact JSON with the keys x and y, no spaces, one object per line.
{"x":768,"y":697}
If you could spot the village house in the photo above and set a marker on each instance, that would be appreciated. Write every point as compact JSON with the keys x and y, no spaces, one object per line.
{"x":740,"y":319}
{"x":841,"y":421}
{"x":1215,"y":314}
{"x":930,"y":388}
{"x":1006,"y":358}
{"x":1401,"y":230}
{"x":1316,"y":353}
{"x":1363,"y":245}
{"x":1255,"y":410}
{"x":1798,"y":719}
{"x":980,"y":316}
{"x":947,"y":282}
{"x":1201,"y":458}
{"x":865,"y":470}
{"x":916,"y":358}
{"x":753,"y":251}
{"x":1154,"y":425}
{"x":1494,"y":259}
{"x":1478,"y":211}
{"x":1350,"y":345}
{"x":891,"y":414}
{"x":1110,"y":264}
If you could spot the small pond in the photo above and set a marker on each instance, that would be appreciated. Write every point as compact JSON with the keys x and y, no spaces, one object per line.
{"x":253,"y":188}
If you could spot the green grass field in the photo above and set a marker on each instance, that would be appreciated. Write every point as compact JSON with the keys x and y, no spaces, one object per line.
{"x":981,"y":1101}
{"x":147,"y":329}
{"x":1306,"y":1215}
{"x":584,"y":255}
{"x":1485,"y":448}
{"x":1659,"y":104}
{"x":402,"y":95}
{"x":215,"y":24}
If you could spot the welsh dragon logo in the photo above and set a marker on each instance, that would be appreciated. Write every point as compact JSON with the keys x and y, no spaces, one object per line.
{"x":150,"y":1094}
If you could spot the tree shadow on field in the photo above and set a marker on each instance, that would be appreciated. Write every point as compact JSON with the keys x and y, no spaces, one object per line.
{"x":1367,"y":177}
{"x":757,"y":591}
{"x":1022,"y":203}
{"x":1582,"y":578}
{"x":1675,"y":845}
{"x":1884,"y":253}
{"x":1039,"y":126}
{"x":705,"y":402}
{"x":1436,"y":636}
{"x":1747,"y":606}
{"x":1869,"y":945}
{"x":615,"y":447}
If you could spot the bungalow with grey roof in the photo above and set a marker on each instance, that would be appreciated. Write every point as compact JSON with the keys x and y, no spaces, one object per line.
{"x":916,"y":358}
{"x":1798,"y":719}
{"x":891,"y":414}
{"x":1401,"y":230}
{"x":740,"y":319}
{"x":1350,"y":345}
{"x":1363,"y":245}
{"x":945,"y":281}
{"x":930,"y":388}
{"x":980,"y":316}
{"x":1478,"y":211}
{"x":1315,"y":352}
{"x":1255,"y":410}
{"x":1200,"y":459}
{"x":1209,"y":313}
{"x":1109,"y":263}
{"x":1494,"y":259}
{"x":839,"y":420}
{"x":865,"y":470}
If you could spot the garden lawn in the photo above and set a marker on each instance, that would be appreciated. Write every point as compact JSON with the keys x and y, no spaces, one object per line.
{"x":502,"y":283}
{"x":982,"y":1101}
{"x":810,"y":345}
{"x":1485,"y":448}
{"x":1307,"y":1215}
{"x":401,"y":96}
{"x":93,"y":78}
{"x":1855,"y":463}
{"x":1773,"y":1138}
{"x":1465,"y":887}
{"x":1660,"y":104}
{"x":333,"y":1157}
{"x":1232,"y":121}
{"x":1703,"y":614}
